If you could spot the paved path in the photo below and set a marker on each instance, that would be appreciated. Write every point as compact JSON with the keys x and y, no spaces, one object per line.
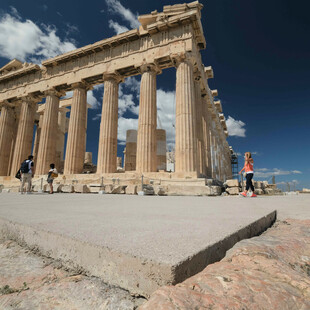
{"x":161,"y":239}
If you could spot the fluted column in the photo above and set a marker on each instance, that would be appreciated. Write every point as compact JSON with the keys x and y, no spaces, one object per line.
{"x":47,"y":146}
{"x":13,"y":141}
{"x":206,"y":123}
{"x":146,"y":139}
{"x":24,"y":135}
{"x":75,"y":152}
{"x":6,"y":135}
{"x":107,"y":151}
{"x":201,"y":162}
{"x":60,"y":145}
{"x":185,"y":135}
{"x":37,"y":138}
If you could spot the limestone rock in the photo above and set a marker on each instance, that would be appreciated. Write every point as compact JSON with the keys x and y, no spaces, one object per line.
{"x":188,"y":190}
{"x":115,"y":189}
{"x":259,"y":191}
{"x":232,"y":190}
{"x":269,"y":191}
{"x":131,"y":189}
{"x":160,"y":190}
{"x":81,"y":188}
{"x":276,"y":264}
{"x":216,"y":190}
{"x":67,"y":189}
{"x":118,"y":189}
{"x":57,"y":188}
{"x":232,"y":183}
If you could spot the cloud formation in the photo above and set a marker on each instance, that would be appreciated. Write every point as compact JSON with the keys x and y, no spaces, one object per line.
{"x":116,"y":8}
{"x":265,"y":173}
{"x":26,"y":41}
{"x":117,"y":27}
{"x":235,"y":127}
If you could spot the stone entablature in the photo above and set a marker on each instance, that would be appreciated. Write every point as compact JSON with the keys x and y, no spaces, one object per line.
{"x":172,"y":38}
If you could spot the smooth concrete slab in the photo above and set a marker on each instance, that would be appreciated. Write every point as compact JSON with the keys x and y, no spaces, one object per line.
{"x":139,"y":242}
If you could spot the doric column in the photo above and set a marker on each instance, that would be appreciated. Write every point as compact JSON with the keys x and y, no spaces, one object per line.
{"x":107,"y":151}
{"x":185,"y":135}
{"x":75,"y":152}
{"x":146,"y":139}
{"x":47,"y":146}
{"x":201,"y":162}
{"x":60,"y":145}
{"x":37,"y":138}
{"x":206,"y":123}
{"x":7,"y":120}
{"x":13,"y":141}
{"x":24,"y":135}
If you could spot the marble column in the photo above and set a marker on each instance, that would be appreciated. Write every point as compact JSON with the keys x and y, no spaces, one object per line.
{"x":107,"y":152}
{"x":206,"y":122}
{"x":48,"y":139}
{"x":185,"y":135}
{"x":37,"y":138}
{"x":24,"y":135}
{"x":60,"y":145}
{"x":13,"y":141}
{"x":75,"y":152}
{"x":7,"y":121}
{"x":201,"y":162}
{"x":146,"y":139}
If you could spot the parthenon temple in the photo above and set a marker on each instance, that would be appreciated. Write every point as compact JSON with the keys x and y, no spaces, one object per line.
{"x":172,"y":38}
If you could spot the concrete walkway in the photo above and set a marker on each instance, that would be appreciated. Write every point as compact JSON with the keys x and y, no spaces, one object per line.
{"x":140,"y":243}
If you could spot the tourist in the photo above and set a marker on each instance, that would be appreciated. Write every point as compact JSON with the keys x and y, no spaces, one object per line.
{"x":248,"y":168}
{"x":27,"y":172}
{"x":52,"y":174}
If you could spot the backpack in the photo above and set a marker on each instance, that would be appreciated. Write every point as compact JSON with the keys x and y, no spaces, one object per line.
{"x":24,"y":168}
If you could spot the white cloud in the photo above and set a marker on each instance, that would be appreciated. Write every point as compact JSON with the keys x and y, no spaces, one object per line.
{"x":115,"y":7}
{"x":235,"y":127}
{"x":117,"y":27}
{"x":24,"y":40}
{"x":264,"y":172}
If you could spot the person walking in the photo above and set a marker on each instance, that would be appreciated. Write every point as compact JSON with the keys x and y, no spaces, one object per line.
{"x":248,"y":168}
{"x":27,"y":172}
{"x":52,"y":174}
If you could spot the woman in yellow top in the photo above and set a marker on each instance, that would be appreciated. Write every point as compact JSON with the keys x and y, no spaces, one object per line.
{"x":248,"y":168}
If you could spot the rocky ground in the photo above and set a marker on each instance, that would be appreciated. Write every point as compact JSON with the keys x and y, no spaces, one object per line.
{"x":271,"y":271}
{"x":29,"y":281}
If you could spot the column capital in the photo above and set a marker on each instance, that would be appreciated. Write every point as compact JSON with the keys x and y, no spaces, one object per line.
{"x":179,"y":58}
{"x":149,"y":67}
{"x":54,"y":92}
{"x":6,"y":103}
{"x":82,"y":84}
{"x":115,"y":77}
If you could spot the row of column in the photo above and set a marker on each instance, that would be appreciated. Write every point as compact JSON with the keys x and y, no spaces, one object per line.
{"x":198,"y":146}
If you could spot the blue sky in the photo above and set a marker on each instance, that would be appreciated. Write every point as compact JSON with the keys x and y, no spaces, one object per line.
{"x":259,"y":51}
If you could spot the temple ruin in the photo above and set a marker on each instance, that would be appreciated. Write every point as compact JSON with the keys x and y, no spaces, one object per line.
{"x":172,"y":38}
